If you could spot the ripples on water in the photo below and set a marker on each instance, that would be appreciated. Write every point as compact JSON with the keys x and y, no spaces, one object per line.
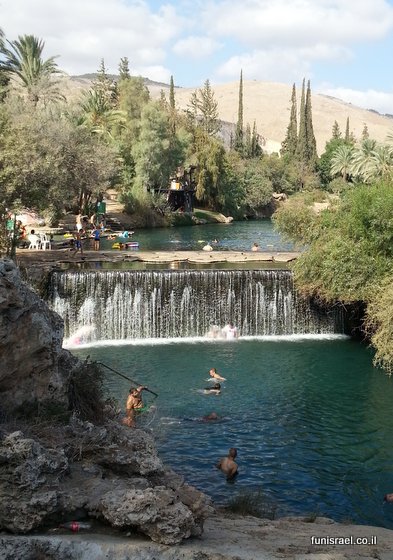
{"x":311,"y":419}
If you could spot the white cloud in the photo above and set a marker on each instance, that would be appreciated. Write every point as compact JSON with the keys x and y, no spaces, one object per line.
{"x":195,"y":47}
{"x":83,"y":32}
{"x":370,"y":99}
{"x":261,"y":23}
{"x":155,"y":73}
{"x":274,"y":66}
{"x":279,"y":65}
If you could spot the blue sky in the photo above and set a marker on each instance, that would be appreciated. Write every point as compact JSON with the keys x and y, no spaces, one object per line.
{"x":343,"y":46}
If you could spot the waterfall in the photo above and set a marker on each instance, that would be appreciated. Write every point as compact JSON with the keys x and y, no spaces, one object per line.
{"x":173,"y":304}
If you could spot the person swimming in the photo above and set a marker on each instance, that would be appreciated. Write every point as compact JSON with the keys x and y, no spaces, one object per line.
{"x":228,"y":465}
{"x":134,"y":403}
{"x":214,"y":375}
{"x":212,"y":417}
{"x":215,"y":389}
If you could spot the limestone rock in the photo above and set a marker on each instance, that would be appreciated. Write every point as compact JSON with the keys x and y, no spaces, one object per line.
{"x":156,"y":511}
{"x":30,"y":344}
{"x":106,"y":472}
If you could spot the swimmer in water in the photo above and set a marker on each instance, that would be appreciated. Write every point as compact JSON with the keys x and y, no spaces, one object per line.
{"x":214,"y":375}
{"x":134,"y":403}
{"x":210,"y":417}
{"x":227,"y":464}
{"x":215,"y":389}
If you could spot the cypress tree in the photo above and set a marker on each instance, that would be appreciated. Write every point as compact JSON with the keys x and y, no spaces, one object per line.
{"x":104,"y":86}
{"x":203,"y":110}
{"x":301,"y":148}
{"x":247,"y":149}
{"x":289,"y":145}
{"x":255,"y":147}
{"x":347,"y":135}
{"x":365,"y":133}
{"x":311,"y":145}
{"x":239,"y":127}
{"x":172,"y":94}
{"x":172,"y":106}
{"x":124,"y":70}
{"x":336,"y":132}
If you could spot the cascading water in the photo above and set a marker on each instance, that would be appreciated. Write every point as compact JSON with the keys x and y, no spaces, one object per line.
{"x":173,"y":304}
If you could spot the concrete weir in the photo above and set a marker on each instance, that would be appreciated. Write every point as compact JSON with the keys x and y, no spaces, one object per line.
{"x":26,"y":257}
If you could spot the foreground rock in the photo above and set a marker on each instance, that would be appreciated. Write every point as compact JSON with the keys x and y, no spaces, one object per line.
{"x":224,"y":538}
{"x":53,"y":472}
{"x":33,"y":367}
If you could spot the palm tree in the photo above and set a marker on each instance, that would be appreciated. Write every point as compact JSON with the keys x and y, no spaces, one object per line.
{"x":363,"y":158}
{"x":341,"y":162}
{"x":3,"y":77}
{"x":23,"y":61}
{"x":98,"y":114}
{"x":381,"y":164}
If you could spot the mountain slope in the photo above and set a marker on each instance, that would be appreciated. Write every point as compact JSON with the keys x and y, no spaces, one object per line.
{"x":269,"y":105}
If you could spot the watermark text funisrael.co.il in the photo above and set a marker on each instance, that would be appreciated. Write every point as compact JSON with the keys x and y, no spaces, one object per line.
{"x":349,"y":541}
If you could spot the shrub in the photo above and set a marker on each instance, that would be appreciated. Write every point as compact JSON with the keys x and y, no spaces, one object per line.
{"x":86,"y":392}
{"x":252,"y":502}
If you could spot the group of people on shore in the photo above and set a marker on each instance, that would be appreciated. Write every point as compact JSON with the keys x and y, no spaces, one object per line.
{"x":85,"y":227}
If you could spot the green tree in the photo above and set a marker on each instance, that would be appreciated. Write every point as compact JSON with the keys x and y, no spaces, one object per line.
{"x":347,"y":133}
{"x":124,"y":69}
{"x":289,"y":145}
{"x":257,"y":186}
{"x":301,"y":148}
{"x":172,"y":103}
{"x":311,"y":146}
{"x":350,"y":245}
{"x":325,"y":161}
{"x":98,"y":113}
{"x":48,"y":163}
{"x":239,"y":140}
{"x":247,"y":143}
{"x":336,"y":132}
{"x":22,"y":59}
{"x":203,"y":110}
{"x":256,"y":149}
{"x":365,"y":133}
{"x":157,"y":153}
{"x":211,"y":161}
{"x":363,"y":159}
{"x":172,"y":106}
{"x":104,"y":86}
{"x":4,"y":78}
{"x":341,"y":161}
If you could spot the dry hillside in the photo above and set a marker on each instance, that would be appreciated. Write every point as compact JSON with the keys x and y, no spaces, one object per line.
{"x":269,"y":105}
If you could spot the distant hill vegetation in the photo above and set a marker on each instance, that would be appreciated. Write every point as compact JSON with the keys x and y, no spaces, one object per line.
{"x":268,"y":104}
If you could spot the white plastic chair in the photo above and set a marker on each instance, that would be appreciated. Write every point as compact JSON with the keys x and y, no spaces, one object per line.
{"x":44,"y":242}
{"x":35,"y":242}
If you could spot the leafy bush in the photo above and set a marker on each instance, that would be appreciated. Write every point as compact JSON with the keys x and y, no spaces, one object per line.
{"x":252,"y":502}
{"x":379,"y":324}
{"x":349,"y":257}
{"x":86,"y":393}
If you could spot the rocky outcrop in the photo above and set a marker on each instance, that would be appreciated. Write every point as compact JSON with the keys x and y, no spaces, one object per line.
{"x":109,"y":473}
{"x":52,"y":473}
{"x":33,"y":365}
